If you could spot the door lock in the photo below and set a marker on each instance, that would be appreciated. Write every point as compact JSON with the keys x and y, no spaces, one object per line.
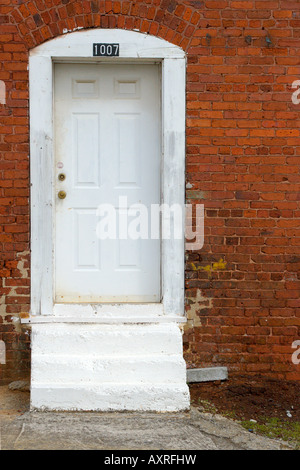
{"x":62,"y":194}
{"x":61,"y":177}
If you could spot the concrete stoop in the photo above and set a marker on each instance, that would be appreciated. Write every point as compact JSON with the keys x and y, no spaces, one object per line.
{"x":108,"y":367}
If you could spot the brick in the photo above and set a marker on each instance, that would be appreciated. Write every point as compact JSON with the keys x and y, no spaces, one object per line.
{"x":243,"y":143}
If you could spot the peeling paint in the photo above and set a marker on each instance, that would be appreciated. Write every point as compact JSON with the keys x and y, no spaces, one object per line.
{"x":210,"y":268}
{"x":21,"y":264}
{"x":22,"y":259}
{"x":2,"y":305}
{"x":193,"y":313}
{"x":221,"y":264}
{"x":24,"y":315}
{"x":65,"y":30}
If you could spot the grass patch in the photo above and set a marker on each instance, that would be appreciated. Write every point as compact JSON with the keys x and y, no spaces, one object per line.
{"x":275,"y":428}
{"x":207,"y":407}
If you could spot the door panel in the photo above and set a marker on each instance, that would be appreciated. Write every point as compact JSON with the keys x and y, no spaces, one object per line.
{"x":107,"y":143}
{"x":85,"y":130}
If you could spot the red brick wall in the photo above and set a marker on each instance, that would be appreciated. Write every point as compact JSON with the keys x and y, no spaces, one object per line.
{"x":243,"y":162}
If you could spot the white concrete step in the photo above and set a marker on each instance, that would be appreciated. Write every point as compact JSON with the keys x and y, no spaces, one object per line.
{"x":107,"y":340}
{"x":95,"y":369}
{"x":88,"y":366}
{"x":110,"y":397}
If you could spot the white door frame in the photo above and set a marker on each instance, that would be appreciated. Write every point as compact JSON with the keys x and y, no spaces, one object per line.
{"x":78,"y":47}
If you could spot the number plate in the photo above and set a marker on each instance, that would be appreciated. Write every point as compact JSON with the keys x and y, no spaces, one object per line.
{"x":106,"y":49}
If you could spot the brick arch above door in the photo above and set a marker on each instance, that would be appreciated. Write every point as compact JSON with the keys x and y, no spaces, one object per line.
{"x":38,"y":21}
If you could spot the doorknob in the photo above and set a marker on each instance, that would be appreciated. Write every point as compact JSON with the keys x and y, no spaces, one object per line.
{"x":62,"y":194}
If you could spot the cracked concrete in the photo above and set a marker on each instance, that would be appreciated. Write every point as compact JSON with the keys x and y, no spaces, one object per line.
{"x":193,"y":430}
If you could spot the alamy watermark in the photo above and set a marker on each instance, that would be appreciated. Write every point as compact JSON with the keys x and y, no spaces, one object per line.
{"x":158,"y":221}
{"x":296,"y":100}
{"x":2,"y":92}
{"x":2,"y":352}
{"x":296,"y":354}
{"x":295,"y":95}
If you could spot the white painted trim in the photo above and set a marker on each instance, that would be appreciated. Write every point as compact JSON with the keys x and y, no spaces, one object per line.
{"x":104,"y":321}
{"x":133,"y":45}
{"x":74,"y":47}
{"x":108,"y":310}
{"x":41,"y":174}
{"x":173,"y":176}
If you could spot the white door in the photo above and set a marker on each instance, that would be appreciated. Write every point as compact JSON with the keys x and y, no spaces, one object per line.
{"x":107,"y":146}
